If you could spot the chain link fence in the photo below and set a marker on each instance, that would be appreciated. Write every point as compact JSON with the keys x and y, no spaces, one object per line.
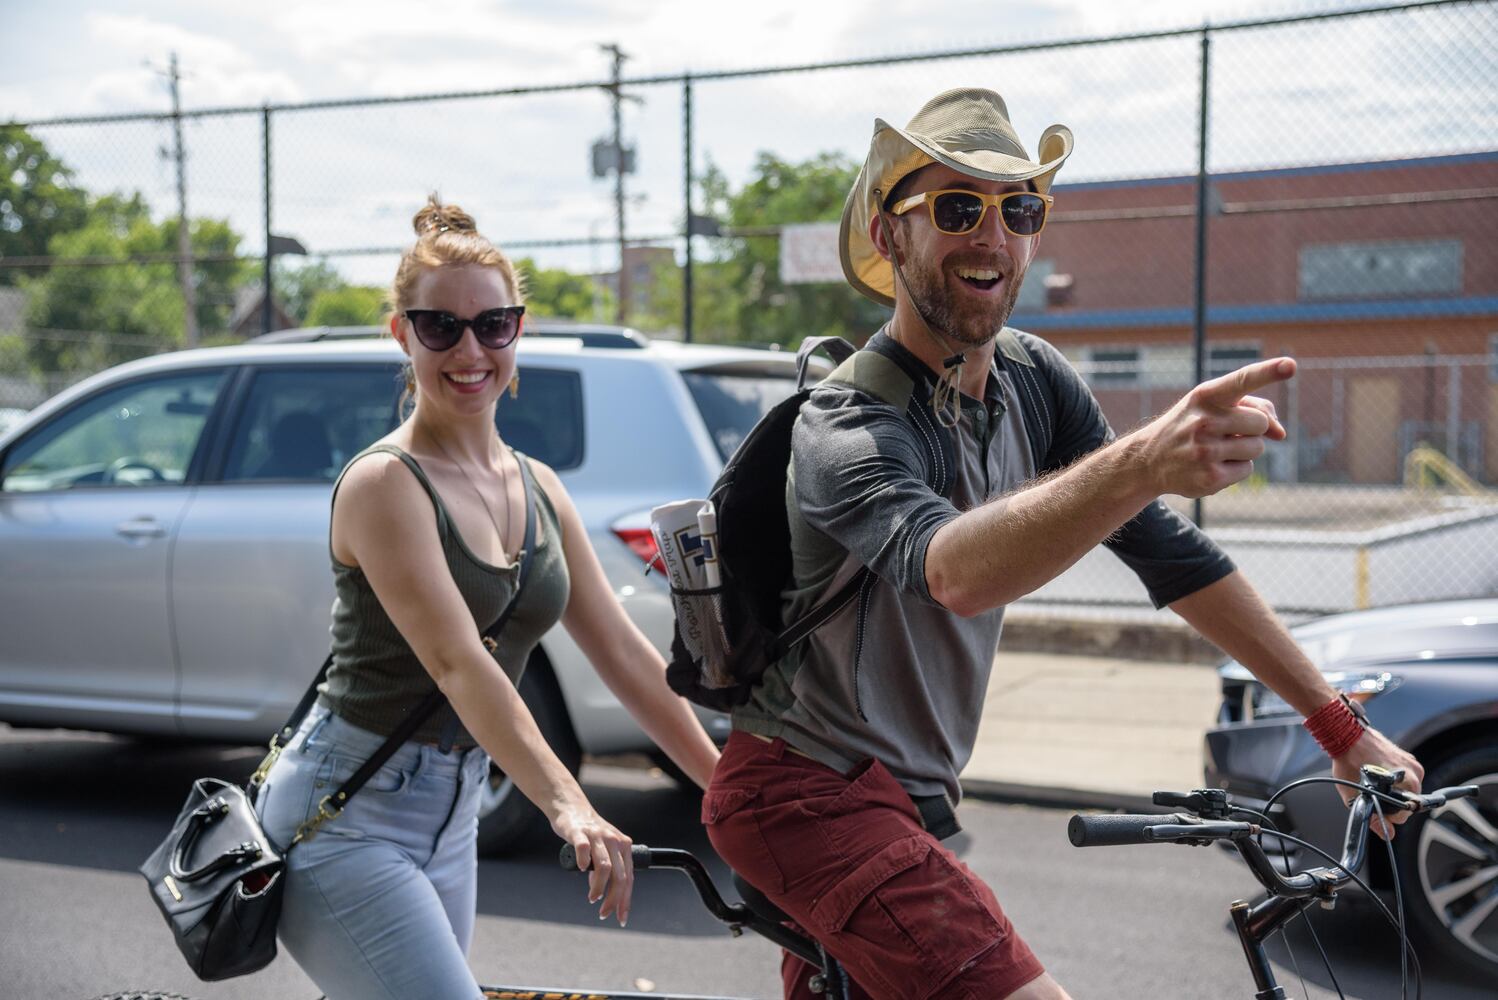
{"x":1347,"y":162}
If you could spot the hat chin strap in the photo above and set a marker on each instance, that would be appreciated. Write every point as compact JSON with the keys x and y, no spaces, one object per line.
{"x":946,"y":401}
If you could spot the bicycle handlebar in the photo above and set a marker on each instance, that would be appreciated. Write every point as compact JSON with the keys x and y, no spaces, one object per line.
{"x":642,"y":856}
{"x":735,"y":915}
{"x":1185,"y":828}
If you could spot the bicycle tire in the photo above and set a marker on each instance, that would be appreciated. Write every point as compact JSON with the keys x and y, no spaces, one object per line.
{"x":141,"y":995}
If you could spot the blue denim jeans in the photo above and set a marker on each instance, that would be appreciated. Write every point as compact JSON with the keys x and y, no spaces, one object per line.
{"x":380,"y":901}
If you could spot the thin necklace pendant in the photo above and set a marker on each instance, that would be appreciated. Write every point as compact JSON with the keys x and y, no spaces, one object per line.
{"x":504,"y":481}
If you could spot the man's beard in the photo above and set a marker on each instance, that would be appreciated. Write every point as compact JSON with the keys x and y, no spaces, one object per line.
{"x":971,"y":321}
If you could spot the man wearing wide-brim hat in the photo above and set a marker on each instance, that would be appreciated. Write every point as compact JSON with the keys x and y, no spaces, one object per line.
{"x":964,"y":464}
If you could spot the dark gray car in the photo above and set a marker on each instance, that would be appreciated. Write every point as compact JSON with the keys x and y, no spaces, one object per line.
{"x":1428,"y":676}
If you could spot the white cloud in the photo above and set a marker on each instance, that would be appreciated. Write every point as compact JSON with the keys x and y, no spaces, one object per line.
{"x":214,"y":71}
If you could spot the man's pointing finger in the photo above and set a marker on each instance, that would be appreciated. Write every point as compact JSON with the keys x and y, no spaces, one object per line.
{"x":1227,"y":390}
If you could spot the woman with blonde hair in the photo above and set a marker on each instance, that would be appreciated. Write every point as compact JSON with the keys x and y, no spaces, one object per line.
{"x":427,"y":530}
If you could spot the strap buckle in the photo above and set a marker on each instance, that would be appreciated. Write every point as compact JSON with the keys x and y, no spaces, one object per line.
{"x":325,"y":812}
{"x":258,"y":778}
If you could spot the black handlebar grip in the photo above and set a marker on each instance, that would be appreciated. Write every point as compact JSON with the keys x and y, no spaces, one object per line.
{"x":567,"y":857}
{"x":1114,"y":831}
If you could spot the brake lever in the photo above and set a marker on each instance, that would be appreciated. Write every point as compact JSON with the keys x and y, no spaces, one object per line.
{"x":1208,"y":803}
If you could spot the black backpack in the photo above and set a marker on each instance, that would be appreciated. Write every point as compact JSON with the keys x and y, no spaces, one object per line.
{"x":754,"y":540}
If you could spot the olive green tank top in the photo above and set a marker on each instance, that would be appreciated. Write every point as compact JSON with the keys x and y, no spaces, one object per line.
{"x":375,"y":678}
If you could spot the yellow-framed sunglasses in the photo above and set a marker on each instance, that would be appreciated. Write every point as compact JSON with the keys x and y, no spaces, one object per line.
{"x":955,"y":211}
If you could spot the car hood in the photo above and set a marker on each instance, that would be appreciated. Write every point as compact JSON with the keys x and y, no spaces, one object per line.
{"x":1410,"y":634}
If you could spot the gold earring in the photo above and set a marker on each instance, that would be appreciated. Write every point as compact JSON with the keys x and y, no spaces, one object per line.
{"x":410,"y":381}
{"x":515,"y":386}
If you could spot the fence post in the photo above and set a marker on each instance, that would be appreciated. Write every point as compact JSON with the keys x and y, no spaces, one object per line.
{"x":1454,"y":413}
{"x":1199,"y":333}
{"x":686,"y":273}
{"x":269,"y":294}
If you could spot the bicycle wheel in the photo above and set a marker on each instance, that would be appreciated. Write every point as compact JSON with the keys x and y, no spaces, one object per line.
{"x":142,"y":995}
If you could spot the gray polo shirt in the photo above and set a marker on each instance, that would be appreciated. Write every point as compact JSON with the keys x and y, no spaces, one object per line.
{"x":895,"y":676}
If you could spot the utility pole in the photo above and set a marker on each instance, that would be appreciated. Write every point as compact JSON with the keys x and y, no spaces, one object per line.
{"x":184,"y":237}
{"x":622,"y":311}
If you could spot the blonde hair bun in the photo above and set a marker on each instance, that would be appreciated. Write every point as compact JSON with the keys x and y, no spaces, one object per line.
{"x":436,"y":217}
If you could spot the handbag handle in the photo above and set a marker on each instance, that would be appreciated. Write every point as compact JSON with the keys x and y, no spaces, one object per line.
{"x":197,"y":821}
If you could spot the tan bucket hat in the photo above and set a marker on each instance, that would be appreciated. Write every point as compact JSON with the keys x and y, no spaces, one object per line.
{"x":968,"y":130}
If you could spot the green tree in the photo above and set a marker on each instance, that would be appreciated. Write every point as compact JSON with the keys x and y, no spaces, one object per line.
{"x":297,"y":285}
{"x":737,"y":293}
{"x":351,"y":305}
{"x":38,"y":200}
{"x":103,"y":314}
{"x":555,"y":292}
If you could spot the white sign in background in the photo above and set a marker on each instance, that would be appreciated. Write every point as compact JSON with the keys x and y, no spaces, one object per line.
{"x":808,"y":253}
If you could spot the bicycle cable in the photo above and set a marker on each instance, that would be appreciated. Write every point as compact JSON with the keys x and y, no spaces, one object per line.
{"x":1368,"y":891}
{"x":1405,"y":947}
{"x":1404,"y":971}
{"x":1305,"y":915}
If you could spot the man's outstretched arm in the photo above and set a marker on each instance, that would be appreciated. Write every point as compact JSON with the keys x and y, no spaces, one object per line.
{"x":1231,"y":615}
{"x":1011,"y":546}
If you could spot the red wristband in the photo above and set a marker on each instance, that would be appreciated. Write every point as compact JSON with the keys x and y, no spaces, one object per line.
{"x":1336,"y":726}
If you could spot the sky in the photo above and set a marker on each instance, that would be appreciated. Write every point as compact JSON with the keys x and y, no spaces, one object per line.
{"x":351,"y":178}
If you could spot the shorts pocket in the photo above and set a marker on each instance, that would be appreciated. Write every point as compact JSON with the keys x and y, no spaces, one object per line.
{"x":721,"y":801}
{"x":734,"y":830}
{"x":906,"y":920}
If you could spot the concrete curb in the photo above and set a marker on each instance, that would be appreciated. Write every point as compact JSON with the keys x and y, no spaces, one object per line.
{"x":1052,"y":797}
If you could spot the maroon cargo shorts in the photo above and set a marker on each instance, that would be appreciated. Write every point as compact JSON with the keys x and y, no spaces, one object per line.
{"x":845,"y":855}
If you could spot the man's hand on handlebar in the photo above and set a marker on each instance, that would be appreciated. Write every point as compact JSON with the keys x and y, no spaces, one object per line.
{"x":1373,"y":747}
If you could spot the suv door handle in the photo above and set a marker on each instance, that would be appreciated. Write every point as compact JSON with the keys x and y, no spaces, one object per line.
{"x":140,"y":527}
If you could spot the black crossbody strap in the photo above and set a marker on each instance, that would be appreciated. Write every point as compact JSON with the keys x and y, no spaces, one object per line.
{"x":304,"y":706}
{"x":437,"y":699}
{"x":333,"y":804}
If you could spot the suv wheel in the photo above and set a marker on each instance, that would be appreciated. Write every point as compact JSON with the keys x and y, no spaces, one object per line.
{"x":1448,"y":862}
{"x":507,"y":819}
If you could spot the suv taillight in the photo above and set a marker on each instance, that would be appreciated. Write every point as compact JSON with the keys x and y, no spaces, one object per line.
{"x":640,"y":541}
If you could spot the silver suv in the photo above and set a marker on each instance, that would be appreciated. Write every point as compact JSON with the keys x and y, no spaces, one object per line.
{"x":164,"y":564}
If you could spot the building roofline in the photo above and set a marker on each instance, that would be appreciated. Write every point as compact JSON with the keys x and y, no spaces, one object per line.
{"x":1455,"y":160}
{"x":1268,"y":313}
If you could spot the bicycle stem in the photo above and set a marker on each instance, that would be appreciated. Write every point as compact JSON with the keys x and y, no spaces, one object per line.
{"x":1291,"y":895}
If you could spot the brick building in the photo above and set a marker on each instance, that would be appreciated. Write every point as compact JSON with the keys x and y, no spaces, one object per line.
{"x":1381,"y":278}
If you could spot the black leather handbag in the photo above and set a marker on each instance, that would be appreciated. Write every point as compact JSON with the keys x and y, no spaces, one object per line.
{"x":218,"y":879}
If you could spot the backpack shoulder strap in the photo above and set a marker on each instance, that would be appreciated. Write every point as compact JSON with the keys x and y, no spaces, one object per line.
{"x":836,"y":348}
{"x":884,"y":376}
{"x":872,"y":373}
{"x":1036,"y":393}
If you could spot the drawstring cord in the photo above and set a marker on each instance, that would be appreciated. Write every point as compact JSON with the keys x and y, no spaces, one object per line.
{"x":946,"y":401}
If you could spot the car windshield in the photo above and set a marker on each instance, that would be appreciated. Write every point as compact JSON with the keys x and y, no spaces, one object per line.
{"x":732,"y":402}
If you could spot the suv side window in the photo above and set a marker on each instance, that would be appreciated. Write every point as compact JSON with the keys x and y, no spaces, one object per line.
{"x":304,"y":423}
{"x":142,"y":433}
{"x":546,"y":419}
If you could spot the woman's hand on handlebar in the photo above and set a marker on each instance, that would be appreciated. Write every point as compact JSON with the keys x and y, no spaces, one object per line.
{"x":604,"y":853}
{"x":1373,"y":747}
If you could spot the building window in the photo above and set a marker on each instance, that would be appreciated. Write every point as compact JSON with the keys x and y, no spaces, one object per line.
{"x":1381,"y":270}
{"x":1221,"y":360}
{"x":1032,"y":289}
{"x":1113,"y":367}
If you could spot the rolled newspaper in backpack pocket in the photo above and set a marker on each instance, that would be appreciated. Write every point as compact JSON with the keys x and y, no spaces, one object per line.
{"x":686,"y":535}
